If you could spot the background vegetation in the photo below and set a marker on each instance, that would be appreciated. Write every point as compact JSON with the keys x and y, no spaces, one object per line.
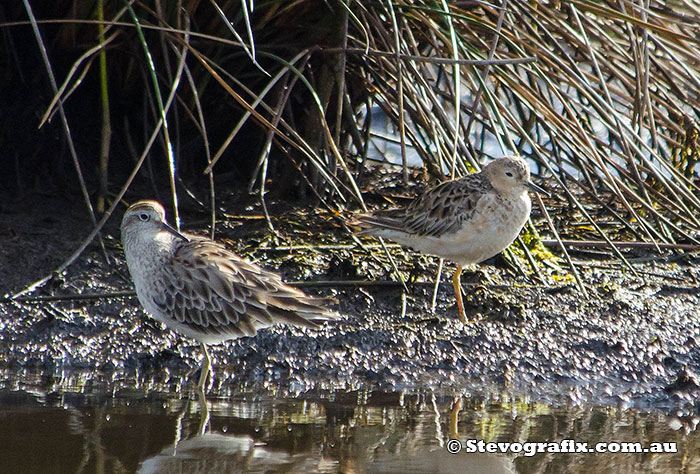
{"x":601,"y":95}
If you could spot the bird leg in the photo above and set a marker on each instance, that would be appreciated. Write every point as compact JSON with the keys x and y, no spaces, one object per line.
{"x":203,"y":411}
{"x":205,"y":369}
{"x":457,"y":283}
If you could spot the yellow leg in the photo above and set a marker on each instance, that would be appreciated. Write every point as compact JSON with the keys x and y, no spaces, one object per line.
{"x":203,"y":412}
{"x":205,"y":369}
{"x":454,"y":418}
{"x":457,"y":283}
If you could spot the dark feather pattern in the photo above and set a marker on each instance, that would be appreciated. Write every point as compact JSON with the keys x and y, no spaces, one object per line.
{"x":439,"y":211}
{"x":210,"y":289}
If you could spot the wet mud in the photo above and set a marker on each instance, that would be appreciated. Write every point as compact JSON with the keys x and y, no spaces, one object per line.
{"x":635,"y":342}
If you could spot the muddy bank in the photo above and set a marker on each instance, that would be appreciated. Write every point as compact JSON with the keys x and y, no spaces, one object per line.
{"x":634,"y":342}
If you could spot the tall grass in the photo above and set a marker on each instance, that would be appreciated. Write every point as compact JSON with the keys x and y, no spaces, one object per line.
{"x":601,"y":95}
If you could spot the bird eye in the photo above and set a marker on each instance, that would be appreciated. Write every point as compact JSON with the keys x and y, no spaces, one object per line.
{"x":144,"y":216}
{"x":509,"y":174}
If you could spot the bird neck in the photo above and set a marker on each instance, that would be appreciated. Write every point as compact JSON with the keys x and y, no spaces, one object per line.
{"x":158,"y":247}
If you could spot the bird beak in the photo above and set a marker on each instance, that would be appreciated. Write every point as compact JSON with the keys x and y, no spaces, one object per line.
{"x":168,"y":228}
{"x":534,"y":187}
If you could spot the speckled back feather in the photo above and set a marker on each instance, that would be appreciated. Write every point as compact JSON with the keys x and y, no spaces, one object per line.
{"x":210,"y":289}
{"x":439,"y":211}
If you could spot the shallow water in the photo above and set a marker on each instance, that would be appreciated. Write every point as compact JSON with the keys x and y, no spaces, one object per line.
{"x":50,"y":430}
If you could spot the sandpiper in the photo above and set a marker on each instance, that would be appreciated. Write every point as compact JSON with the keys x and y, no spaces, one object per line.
{"x":202,"y":290}
{"x":466,"y":220}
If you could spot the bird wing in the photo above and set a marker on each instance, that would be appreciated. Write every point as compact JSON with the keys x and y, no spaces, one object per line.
{"x":440,"y":210}
{"x":210,"y":289}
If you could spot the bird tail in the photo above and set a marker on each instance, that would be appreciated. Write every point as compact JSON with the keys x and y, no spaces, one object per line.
{"x":375,"y":223}
{"x":306,"y":311}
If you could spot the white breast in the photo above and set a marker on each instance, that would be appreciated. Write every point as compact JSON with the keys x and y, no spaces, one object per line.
{"x":495,"y":224}
{"x":145,"y":260}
